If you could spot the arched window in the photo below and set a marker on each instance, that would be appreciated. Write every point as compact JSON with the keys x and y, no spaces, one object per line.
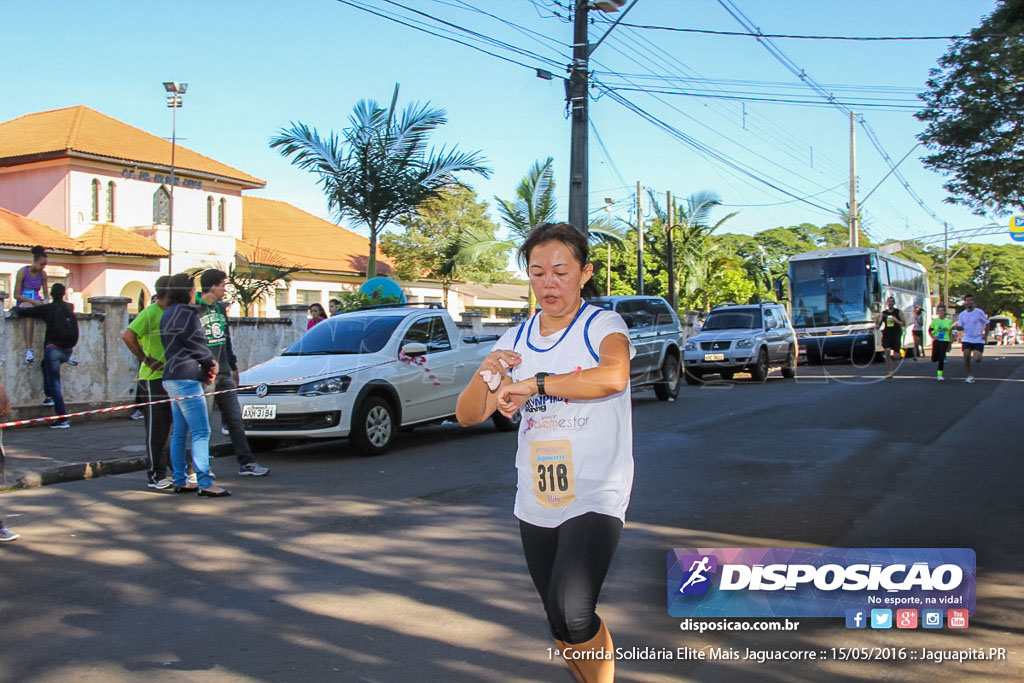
{"x":209,"y":213}
{"x":95,"y":199}
{"x":162,"y":206}
{"x":221,"y":217}
{"x":111,"y":199}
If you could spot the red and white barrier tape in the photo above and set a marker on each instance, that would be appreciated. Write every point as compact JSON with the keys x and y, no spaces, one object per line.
{"x":112,"y":409}
{"x":422,"y":362}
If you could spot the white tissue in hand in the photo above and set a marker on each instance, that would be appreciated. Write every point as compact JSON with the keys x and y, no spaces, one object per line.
{"x":491,"y":379}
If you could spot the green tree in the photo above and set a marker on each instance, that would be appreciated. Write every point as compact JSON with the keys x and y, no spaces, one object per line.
{"x":380,"y":168}
{"x":973,"y":109}
{"x":434,"y":234}
{"x":695,"y":255}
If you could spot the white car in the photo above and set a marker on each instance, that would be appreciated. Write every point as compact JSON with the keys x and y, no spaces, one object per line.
{"x":363,"y":375}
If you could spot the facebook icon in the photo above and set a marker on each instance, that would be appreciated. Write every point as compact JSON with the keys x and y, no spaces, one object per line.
{"x":856,"y":618}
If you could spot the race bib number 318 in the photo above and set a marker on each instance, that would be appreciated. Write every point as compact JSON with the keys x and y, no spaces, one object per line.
{"x":554,"y":482}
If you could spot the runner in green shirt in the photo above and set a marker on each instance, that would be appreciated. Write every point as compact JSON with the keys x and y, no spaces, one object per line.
{"x":143,"y":339}
{"x":941,"y":332}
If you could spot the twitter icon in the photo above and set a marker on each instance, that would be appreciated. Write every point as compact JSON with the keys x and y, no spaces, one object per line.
{"x":881,"y":618}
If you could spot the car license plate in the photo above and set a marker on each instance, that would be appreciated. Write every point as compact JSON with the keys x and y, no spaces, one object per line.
{"x":254,"y":412}
{"x":714,"y":356}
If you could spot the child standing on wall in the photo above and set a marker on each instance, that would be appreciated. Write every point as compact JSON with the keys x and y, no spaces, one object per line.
{"x":29,"y":285}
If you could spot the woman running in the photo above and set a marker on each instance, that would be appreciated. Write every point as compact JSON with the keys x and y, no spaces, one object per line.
{"x":567,"y":369}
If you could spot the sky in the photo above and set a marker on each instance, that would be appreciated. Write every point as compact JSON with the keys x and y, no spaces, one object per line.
{"x":255,"y":66}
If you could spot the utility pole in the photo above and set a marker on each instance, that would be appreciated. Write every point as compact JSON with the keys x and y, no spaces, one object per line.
{"x":854,"y":234}
{"x":578,"y":99}
{"x":673,"y":298}
{"x":945,"y":262}
{"x":639,"y":238}
{"x":854,"y":238}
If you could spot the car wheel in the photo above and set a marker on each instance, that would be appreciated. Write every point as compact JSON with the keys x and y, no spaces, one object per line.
{"x":693,"y":376}
{"x":789,"y":369}
{"x":262,"y":445}
{"x":374,"y":427}
{"x":726,"y":374}
{"x":759,"y":372}
{"x":668,"y":388}
{"x":506,"y":424}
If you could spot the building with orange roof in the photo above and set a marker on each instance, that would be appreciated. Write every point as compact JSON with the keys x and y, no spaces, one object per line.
{"x":95,"y":192}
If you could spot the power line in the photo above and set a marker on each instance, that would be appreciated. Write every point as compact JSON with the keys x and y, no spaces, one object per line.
{"x":759,"y":34}
{"x":739,"y":97}
{"x":744,"y":21}
{"x":706,"y":150}
{"x":419,"y":26}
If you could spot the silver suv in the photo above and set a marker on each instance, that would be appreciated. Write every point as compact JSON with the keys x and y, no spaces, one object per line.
{"x":655,"y":332}
{"x":735,"y":339}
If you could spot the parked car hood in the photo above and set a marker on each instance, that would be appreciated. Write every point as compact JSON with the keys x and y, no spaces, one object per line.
{"x":723,"y":335}
{"x":286,"y":369}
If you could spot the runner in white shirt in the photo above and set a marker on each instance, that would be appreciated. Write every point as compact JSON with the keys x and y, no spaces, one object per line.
{"x":974,"y":324}
{"x":567,"y":370}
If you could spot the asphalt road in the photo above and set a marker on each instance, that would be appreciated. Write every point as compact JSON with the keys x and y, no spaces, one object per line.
{"x":407,"y":567}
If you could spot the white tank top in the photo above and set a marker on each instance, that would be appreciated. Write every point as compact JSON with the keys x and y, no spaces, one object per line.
{"x":574,"y":456}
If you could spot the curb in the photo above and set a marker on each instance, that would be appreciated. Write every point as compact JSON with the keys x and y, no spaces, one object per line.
{"x":80,"y":471}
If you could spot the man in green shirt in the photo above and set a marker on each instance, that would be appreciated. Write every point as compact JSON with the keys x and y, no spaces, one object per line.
{"x":143,"y":339}
{"x":941,"y":332}
{"x":214,"y":320}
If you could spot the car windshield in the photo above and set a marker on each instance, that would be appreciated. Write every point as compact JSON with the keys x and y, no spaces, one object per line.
{"x":346,"y":334}
{"x":749,"y":319}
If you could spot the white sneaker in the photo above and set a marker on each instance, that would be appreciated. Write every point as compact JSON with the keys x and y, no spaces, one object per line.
{"x":61,"y":425}
{"x":138,"y":415}
{"x":8,"y":535}
{"x":193,"y":479}
{"x":970,"y":379}
{"x":941,"y":378}
{"x":30,"y":356}
{"x":162,"y":484}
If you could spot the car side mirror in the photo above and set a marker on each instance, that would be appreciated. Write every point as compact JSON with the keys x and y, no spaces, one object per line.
{"x":414,"y":349}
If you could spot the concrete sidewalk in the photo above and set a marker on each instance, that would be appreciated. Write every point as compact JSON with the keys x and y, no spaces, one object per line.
{"x":38,"y":455}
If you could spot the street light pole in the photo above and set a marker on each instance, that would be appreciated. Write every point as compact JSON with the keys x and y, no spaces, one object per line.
{"x":175,"y":90}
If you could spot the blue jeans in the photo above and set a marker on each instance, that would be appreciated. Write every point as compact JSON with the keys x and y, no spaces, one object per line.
{"x":53,"y":358}
{"x":189,"y":416}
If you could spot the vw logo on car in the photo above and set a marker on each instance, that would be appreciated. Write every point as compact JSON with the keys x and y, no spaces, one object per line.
{"x":262,"y":390}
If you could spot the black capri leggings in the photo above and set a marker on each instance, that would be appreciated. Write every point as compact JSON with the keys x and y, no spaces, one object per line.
{"x":568,"y":565}
{"x":939,"y":350}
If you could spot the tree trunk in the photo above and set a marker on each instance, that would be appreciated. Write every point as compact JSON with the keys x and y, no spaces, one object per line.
{"x":371,"y":262}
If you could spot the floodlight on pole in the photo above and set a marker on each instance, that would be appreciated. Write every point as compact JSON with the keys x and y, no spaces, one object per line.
{"x":174,"y":101}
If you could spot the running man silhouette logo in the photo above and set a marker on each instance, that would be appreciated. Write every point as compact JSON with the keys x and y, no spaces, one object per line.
{"x":696,"y":580}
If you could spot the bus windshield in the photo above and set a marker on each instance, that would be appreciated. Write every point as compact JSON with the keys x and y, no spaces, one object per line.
{"x":832,"y":291}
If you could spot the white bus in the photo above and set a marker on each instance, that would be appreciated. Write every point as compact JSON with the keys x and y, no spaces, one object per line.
{"x":836,"y":294}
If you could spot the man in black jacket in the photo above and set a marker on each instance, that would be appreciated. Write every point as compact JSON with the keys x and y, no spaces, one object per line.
{"x":218,"y":338}
{"x":59,"y":340}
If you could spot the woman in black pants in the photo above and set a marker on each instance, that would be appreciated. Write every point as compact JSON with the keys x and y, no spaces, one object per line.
{"x":567,"y":369}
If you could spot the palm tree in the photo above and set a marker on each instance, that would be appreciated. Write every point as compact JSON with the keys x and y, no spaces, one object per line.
{"x":380,"y":167}
{"x":694,"y":258}
{"x":534,"y":205}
